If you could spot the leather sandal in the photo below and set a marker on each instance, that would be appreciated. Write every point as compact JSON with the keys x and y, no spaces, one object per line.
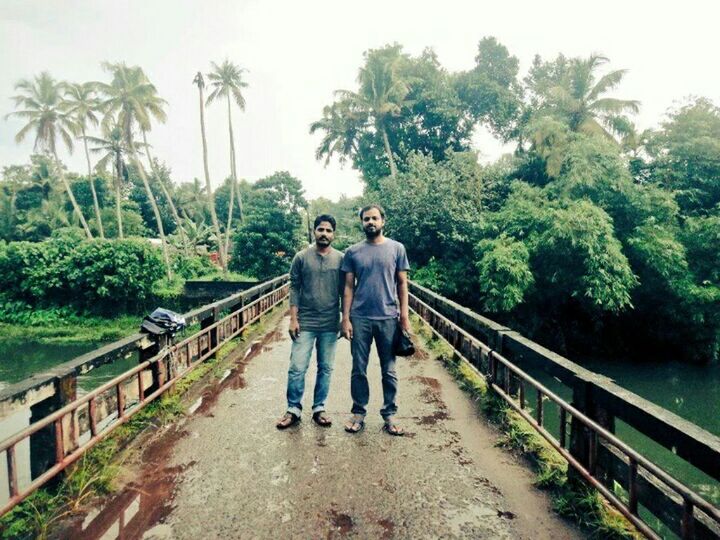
{"x":321,"y":420}
{"x":391,"y":428}
{"x":355,"y":425}
{"x":283,"y":423}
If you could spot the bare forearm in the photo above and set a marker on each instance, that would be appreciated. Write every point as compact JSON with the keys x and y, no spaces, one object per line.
{"x":293,"y":313}
{"x":403,"y":297}
{"x":348,"y":294}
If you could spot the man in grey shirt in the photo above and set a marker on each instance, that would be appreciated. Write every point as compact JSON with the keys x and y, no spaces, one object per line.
{"x":315,"y":288}
{"x":375,"y":302}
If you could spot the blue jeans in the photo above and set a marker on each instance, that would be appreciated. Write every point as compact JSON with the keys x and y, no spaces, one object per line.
{"x":325,"y":343}
{"x":364,"y":332}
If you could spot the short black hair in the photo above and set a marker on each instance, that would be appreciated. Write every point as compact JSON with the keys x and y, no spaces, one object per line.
{"x":324,"y":217}
{"x":370,"y":207}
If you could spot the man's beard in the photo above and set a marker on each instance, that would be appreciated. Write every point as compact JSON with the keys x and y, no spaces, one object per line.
{"x":372,"y":234}
{"x":322,"y":241}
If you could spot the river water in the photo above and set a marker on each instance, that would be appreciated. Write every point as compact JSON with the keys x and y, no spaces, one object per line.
{"x":20,"y":359}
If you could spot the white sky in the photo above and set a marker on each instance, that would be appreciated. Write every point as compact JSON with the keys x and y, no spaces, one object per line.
{"x":297,"y":53}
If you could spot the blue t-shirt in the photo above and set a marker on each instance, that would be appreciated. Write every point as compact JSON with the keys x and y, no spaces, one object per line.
{"x":375,"y":267}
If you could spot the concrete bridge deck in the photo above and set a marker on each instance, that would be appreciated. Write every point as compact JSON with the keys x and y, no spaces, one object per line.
{"x":224,"y":471}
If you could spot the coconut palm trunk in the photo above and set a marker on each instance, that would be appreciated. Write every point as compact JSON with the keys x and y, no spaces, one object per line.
{"x":166,"y":193}
{"x":156,"y":210}
{"x":71,"y":196}
{"x":118,"y":205}
{"x":96,"y":204}
{"x":211,"y":203}
{"x":234,"y":188}
{"x":388,"y":151}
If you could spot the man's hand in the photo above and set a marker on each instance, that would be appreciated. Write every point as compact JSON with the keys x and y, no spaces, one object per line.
{"x":294,"y":329}
{"x":347,"y":329}
{"x":405,"y":324}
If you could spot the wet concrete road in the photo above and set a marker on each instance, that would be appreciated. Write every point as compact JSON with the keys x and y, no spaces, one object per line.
{"x":226,"y":472}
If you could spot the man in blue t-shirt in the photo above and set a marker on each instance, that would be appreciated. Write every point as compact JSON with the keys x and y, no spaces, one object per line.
{"x":375,"y":301}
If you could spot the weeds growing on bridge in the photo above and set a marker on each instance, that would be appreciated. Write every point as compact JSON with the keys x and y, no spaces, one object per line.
{"x":571,"y":499}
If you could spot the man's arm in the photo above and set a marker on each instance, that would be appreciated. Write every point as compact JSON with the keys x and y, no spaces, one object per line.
{"x":348,"y":293}
{"x":402,"y":285}
{"x":295,"y":288}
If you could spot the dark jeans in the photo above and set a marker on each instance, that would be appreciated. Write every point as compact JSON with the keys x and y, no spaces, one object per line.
{"x":364,"y":332}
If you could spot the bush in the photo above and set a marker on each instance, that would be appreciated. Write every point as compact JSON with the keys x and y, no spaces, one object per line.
{"x":98,"y":276}
{"x":192,"y":267}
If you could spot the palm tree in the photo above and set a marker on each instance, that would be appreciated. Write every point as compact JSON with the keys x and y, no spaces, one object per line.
{"x":226,"y":80}
{"x":46,"y":113}
{"x":112,"y":148}
{"x":132,"y":99}
{"x":166,"y":193}
{"x":578,"y":98}
{"x":200,"y":82}
{"x":382,"y":93}
{"x":342,"y":125}
{"x":83,"y":103}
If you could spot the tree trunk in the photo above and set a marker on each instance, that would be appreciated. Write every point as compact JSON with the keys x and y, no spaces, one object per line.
{"x":92,"y":188}
{"x":210,"y":199}
{"x":388,"y":151}
{"x":118,"y":207}
{"x":166,"y":193}
{"x":233,"y":184}
{"x":70,"y":194}
{"x":155,"y":208}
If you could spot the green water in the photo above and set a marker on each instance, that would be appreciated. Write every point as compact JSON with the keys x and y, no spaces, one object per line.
{"x":20,"y":359}
{"x":691,"y":392}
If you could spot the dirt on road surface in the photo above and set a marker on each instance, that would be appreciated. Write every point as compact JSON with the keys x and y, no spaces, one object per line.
{"x":225,"y":471}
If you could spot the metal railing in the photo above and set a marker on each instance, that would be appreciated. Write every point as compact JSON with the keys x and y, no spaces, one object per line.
{"x":511,"y":385}
{"x":156,"y":375}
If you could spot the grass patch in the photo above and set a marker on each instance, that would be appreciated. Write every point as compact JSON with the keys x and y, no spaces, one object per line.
{"x":219,"y":276}
{"x":571,"y":499}
{"x":70,"y":329}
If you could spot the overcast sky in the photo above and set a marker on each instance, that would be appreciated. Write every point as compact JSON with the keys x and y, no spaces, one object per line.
{"x":297,"y":53}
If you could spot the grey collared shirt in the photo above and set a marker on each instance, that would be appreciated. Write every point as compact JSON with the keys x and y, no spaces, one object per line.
{"x":315,"y":288}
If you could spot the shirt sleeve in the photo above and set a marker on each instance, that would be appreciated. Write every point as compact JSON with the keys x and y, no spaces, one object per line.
{"x":347,"y":263}
{"x":295,"y":280}
{"x":401,"y":262}
{"x":341,"y":278}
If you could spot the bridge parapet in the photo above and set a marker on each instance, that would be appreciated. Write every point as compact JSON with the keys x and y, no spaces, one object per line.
{"x":63,"y":425}
{"x":601,"y":401}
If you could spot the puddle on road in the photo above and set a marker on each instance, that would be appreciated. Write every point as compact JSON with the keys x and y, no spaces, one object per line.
{"x":434,"y":418}
{"x":234,"y":378}
{"x":143,"y":503}
{"x":342,"y":523}
{"x":388,"y":527}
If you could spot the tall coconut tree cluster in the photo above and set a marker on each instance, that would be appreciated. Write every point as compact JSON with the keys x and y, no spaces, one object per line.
{"x":123,"y":112}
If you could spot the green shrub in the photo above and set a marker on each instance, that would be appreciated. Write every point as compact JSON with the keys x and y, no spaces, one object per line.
{"x":97,"y":276}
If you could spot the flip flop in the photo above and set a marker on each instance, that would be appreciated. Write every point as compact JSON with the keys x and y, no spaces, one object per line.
{"x":360,"y":423}
{"x":295,"y":419}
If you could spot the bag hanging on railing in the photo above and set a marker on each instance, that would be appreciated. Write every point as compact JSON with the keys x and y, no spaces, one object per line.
{"x":163,"y":321}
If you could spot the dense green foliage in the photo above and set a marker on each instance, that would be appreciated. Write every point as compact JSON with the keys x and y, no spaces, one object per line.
{"x":89,"y":275}
{"x":591,"y":237}
{"x":272,"y":231}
